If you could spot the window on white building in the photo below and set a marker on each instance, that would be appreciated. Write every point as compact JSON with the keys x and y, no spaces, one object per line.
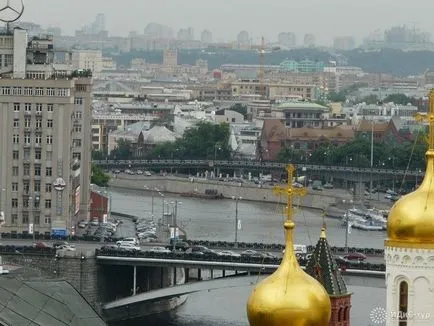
{"x":28,"y":91}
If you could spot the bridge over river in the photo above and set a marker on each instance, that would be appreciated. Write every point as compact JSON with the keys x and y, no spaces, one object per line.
{"x":132,"y":305}
{"x":338,"y":171}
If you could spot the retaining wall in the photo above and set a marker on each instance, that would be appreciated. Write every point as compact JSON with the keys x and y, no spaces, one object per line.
{"x":316,"y":200}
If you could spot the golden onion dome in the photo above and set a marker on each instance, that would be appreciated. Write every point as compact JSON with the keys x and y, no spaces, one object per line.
{"x":289,"y":296}
{"x":411,"y":219}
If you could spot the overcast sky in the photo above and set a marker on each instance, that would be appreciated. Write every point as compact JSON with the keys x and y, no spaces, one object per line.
{"x":225,"y":18}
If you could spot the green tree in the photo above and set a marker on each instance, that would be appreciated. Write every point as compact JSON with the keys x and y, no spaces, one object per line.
{"x":201,"y":142}
{"x":98,"y":155}
{"x":289,"y":154}
{"x":99,"y":177}
{"x":123,"y":149}
{"x":370,"y":99}
{"x":398,"y":99}
{"x":337,"y":97}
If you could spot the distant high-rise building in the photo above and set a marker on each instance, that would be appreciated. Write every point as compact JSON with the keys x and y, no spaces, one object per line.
{"x":287,"y":39}
{"x":158,"y":31}
{"x":186,"y":34}
{"x":206,"y":37}
{"x":170,"y":58}
{"x":309,"y":40}
{"x":97,"y":27}
{"x":55,"y":31}
{"x":344,"y":43}
{"x":243,"y":40}
{"x":99,"y":24}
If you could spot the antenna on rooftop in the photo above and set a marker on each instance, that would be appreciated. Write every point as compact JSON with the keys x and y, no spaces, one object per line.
{"x":11,"y":12}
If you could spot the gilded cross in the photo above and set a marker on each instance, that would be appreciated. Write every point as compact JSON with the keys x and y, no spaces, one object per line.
{"x":428,"y":117}
{"x":289,"y":191}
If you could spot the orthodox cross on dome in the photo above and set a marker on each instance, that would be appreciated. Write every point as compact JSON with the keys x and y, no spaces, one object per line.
{"x":289,"y":191}
{"x":428,"y":117}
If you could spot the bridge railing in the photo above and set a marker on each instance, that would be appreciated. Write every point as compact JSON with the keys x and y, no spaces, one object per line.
{"x":26,"y":250}
{"x":279,"y":247}
{"x":179,"y":255}
{"x":253,"y":164}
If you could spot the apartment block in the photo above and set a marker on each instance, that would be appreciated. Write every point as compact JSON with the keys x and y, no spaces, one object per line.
{"x":45,"y":117}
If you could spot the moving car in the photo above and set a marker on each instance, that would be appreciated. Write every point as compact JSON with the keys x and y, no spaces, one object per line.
{"x":132,"y":241}
{"x":355,"y":256}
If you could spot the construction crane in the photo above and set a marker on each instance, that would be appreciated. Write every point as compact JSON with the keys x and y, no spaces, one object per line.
{"x":262,"y":90}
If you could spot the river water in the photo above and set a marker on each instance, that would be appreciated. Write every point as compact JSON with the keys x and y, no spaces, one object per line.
{"x":261,"y":222}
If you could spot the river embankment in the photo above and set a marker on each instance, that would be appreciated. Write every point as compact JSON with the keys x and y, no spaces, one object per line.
{"x":319,"y":200}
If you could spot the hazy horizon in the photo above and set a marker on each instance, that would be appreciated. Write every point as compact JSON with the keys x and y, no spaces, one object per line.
{"x":325,"y":19}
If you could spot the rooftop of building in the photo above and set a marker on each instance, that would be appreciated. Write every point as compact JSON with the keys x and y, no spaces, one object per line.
{"x":323,"y":267}
{"x":302,"y":105}
{"x":43,"y":303}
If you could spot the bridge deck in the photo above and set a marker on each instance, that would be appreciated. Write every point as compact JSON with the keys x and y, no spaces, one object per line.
{"x":352,"y":277}
{"x":255,"y":165}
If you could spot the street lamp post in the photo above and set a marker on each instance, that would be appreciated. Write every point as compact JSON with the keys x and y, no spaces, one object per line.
{"x":347,"y":227}
{"x":2,"y":214}
{"x":236,"y":218}
{"x":216,"y":147}
{"x":372,"y":159}
{"x":32,"y":217}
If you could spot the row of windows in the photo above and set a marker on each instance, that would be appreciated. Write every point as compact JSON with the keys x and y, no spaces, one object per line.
{"x":26,"y":171}
{"x":36,"y":187}
{"x":25,"y":219}
{"x":37,"y":140}
{"x":28,"y":124}
{"x":35,"y":91}
{"x":26,"y":203}
{"x":28,"y":107}
{"x":38,"y":155}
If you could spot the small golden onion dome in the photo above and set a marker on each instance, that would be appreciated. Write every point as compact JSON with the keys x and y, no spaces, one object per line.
{"x":289,"y":296}
{"x":411,"y":219}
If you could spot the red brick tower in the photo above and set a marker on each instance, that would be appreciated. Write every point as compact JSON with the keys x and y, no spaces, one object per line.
{"x":323,"y":267}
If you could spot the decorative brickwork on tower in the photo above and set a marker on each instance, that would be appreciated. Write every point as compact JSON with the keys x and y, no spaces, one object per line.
{"x":323,"y":267}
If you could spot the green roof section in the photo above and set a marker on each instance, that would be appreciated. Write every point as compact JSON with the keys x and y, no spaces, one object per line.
{"x":323,"y":267}
{"x":302,"y":105}
{"x":44,"y":303}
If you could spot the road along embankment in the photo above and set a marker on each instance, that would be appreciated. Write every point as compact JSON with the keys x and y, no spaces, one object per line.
{"x":314,"y":199}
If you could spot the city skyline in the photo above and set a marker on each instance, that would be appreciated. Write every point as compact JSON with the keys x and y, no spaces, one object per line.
{"x":327,"y":19}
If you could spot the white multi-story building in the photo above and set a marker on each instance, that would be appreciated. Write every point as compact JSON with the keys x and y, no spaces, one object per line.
{"x":88,"y":59}
{"x":45,"y":144}
{"x":409,"y":251}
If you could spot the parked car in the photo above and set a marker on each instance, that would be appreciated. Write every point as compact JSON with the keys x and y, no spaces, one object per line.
{"x":139,"y":172}
{"x":148,"y":174}
{"x":355,"y":256}
{"x":132,"y":241}
{"x":328,"y":186}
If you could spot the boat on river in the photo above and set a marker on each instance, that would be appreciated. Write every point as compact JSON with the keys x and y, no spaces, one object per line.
{"x":209,"y":194}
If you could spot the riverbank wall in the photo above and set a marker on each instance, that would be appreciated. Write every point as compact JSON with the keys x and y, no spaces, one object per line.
{"x":320,"y":200}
